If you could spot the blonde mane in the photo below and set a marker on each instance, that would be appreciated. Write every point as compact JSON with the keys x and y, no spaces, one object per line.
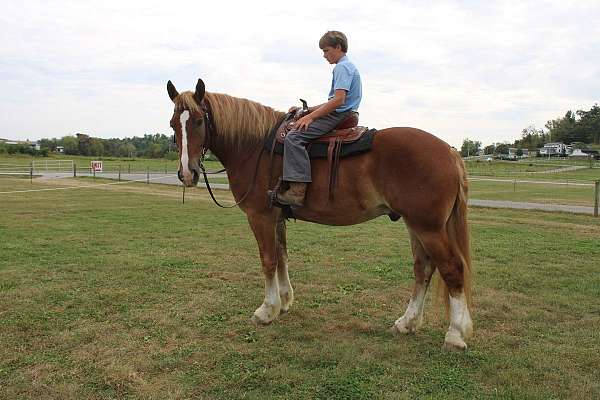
{"x":236,"y":120}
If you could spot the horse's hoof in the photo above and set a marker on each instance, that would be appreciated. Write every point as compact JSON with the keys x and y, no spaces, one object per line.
{"x":454,"y":342}
{"x":286,"y":302}
{"x":401,"y":327}
{"x":394,"y":331}
{"x":264,"y":314}
{"x":259,"y":322}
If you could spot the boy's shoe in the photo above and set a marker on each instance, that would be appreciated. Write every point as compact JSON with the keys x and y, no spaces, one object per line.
{"x":294,"y":196}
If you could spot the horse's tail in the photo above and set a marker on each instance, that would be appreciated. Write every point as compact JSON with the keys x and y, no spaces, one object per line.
{"x":458,"y":235}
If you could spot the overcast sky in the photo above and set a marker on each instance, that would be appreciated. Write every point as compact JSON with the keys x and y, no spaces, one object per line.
{"x":482,"y":70}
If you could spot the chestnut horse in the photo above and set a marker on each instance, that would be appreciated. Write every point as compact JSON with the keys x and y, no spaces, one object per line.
{"x":408,"y":173}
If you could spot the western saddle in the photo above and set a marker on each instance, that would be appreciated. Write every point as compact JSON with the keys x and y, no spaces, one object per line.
{"x":345,"y":133}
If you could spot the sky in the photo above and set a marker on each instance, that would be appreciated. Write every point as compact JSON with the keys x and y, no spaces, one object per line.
{"x":458,"y":69}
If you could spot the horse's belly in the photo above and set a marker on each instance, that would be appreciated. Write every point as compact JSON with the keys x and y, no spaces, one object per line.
{"x":339,"y":216}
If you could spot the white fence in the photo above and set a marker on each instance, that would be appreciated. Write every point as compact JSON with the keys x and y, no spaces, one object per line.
{"x":37,"y":167}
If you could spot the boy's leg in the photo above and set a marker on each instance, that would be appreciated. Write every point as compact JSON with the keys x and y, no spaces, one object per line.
{"x":296,"y":163}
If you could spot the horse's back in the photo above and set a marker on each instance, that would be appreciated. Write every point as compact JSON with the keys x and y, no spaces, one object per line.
{"x":408,"y":172}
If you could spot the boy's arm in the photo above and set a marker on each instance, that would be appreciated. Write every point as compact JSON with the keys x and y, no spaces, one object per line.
{"x":338,"y":99}
{"x":310,"y":109}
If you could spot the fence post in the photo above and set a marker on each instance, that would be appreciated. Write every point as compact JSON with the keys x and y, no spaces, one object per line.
{"x":129,"y":168}
{"x":596,"y":196}
{"x":147,"y":175}
{"x":119,"y":172}
{"x":31,"y":172}
{"x":74,"y":170}
{"x":94,"y":171}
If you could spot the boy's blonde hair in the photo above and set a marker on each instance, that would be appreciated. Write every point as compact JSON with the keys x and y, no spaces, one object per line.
{"x":334,"y":38}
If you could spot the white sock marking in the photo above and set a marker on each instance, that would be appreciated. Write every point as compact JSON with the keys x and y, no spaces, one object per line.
{"x":460,"y":318}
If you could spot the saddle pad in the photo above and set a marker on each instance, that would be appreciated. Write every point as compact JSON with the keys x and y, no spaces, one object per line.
{"x":319,"y":150}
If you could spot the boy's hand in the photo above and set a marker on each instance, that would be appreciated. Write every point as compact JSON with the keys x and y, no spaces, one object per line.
{"x":304,"y":122}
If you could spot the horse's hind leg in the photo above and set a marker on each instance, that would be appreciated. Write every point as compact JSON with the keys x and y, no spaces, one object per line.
{"x":264,"y":228}
{"x":286,"y":293}
{"x":451,"y":268}
{"x":413,"y":317}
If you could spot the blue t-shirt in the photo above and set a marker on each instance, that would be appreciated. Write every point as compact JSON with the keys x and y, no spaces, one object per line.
{"x":346,"y":76}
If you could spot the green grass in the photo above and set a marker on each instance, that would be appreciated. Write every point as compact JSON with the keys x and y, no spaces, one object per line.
{"x":534,"y":169}
{"x":532,"y":192}
{"x":124,"y":292}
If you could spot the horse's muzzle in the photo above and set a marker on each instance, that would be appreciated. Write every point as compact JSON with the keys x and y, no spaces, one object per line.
{"x":195,"y":178}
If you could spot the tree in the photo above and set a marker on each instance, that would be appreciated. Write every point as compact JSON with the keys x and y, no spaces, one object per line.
{"x":501,"y":148}
{"x":96,"y":147}
{"x":532,"y":138}
{"x":126,"y":150}
{"x":83,"y":142}
{"x":589,"y":124}
{"x":49,"y":144}
{"x":491,"y":149}
{"x":470,"y":148}
{"x":71,"y":145}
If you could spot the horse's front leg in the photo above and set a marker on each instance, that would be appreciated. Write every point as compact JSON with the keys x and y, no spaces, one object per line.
{"x":264,"y":228}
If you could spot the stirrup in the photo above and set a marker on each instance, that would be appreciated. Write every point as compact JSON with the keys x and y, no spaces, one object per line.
{"x":272,"y":195}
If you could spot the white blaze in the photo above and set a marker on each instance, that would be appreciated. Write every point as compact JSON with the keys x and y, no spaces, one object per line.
{"x":183,"y":118}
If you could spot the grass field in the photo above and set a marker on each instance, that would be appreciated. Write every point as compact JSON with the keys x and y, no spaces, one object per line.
{"x":124,"y":292}
{"x":535,"y":169}
{"x":532,"y":192}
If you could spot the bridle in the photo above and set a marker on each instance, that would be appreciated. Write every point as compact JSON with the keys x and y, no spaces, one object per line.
{"x":210,"y":134}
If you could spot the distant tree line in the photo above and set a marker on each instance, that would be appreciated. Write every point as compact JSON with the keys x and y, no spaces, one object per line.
{"x":148,"y":146}
{"x":579,"y":129}
{"x":22,"y":149}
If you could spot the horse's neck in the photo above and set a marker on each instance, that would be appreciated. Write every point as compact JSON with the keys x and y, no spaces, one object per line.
{"x":238,"y":160}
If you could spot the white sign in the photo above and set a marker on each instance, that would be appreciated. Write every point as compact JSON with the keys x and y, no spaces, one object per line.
{"x":96,"y":166}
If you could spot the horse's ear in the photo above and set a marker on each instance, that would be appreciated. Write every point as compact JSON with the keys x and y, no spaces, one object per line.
{"x":172,"y":91}
{"x":199,"y":94}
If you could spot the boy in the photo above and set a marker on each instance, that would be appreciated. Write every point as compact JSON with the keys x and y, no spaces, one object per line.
{"x":344,"y":98}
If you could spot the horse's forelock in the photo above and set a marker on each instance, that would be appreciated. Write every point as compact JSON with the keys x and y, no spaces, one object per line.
{"x":186,"y":101}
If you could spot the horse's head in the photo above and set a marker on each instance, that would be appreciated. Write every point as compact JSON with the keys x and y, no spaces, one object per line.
{"x":189,"y":124}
